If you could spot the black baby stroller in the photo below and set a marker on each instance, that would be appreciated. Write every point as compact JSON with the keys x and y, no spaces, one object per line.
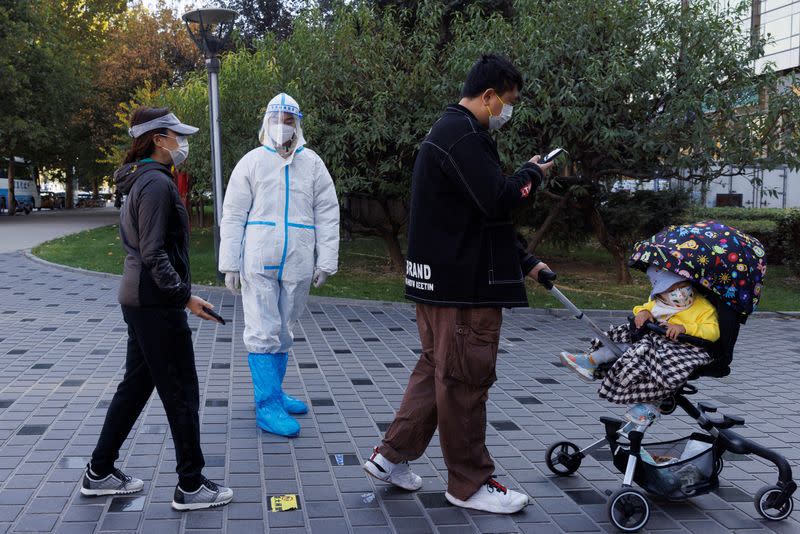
{"x":690,"y":466}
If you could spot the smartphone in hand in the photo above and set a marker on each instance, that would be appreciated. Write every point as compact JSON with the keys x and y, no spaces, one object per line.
{"x":214,"y":314}
{"x":553,"y":154}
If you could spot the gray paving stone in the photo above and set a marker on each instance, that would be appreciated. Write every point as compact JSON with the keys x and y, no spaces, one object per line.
{"x":351,"y":362}
{"x":243,"y":527}
{"x":412,"y":525}
{"x":237,"y":510}
{"x":10,"y":512}
{"x":324,"y":509}
{"x":121,"y":521}
{"x":403,"y":508}
{"x":36,"y":523}
{"x":77,"y":528}
{"x":161,"y":526}
{"x":705,"y":527}
{"x":320,"y":493}
{"x":211,"y":519}
{"x":285,"y":519}
{"x":83,"y":513}
{"x":15,"y":496}
{"x":366,"y":517}
{"x":447,"y":516}
{"x":329,"y":526}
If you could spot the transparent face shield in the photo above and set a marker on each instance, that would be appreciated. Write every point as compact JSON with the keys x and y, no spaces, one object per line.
{"x":282,"y":132}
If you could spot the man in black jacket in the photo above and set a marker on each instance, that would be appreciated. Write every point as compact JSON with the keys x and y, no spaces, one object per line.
{"x":465,"y":263}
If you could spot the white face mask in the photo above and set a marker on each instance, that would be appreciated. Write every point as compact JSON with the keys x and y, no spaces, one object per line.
{"x":681,"y":298}
{"x":179,"y":154}
{"x":497,"y":121}
{"x":281,"y":133}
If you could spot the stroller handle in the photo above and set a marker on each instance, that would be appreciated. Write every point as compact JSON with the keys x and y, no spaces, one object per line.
{"x":546,"y":277}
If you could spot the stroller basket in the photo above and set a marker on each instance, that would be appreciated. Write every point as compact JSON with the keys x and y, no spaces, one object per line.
{"x":676,"y":469}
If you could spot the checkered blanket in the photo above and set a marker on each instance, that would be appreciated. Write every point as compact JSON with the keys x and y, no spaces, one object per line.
{"x":651,"y":370}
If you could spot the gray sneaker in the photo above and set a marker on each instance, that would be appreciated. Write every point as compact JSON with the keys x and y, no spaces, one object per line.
{"x":117,"y":483}
{"x":208,"y":495}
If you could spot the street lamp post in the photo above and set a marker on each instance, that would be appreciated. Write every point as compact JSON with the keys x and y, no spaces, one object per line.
{"x":210,"y":30}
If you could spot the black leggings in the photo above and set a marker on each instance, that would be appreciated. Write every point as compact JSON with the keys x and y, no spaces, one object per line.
{"x":161,"y":356}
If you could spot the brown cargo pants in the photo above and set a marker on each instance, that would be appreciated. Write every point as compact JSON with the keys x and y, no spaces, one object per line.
{"x":448,"y":389}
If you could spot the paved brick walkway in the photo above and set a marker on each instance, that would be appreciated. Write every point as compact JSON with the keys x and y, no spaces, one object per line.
{"x":62,"y":344}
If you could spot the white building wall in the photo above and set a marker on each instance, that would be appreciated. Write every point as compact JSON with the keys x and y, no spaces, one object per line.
{"x":779,"y":188}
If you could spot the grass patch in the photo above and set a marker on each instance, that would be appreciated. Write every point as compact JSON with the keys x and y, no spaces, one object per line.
{"x":586,"y":274}
{"x":100,"y":249}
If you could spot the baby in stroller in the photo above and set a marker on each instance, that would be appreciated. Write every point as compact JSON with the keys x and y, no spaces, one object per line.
{"x":652,"y":367}
{"x":656,"y":363}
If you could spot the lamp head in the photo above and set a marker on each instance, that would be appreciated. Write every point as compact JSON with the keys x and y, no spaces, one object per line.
{"x":210,"y":28}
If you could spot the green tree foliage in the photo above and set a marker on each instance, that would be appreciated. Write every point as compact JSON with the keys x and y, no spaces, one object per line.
{"x":365,"y":113}
{"x":631,"y":216}
{"x":40,"y":81}
{"x":248,"y":80}
{"x":66,"y":66}
{"x":258,"y":18}
{"x":638,"y":90}
{"x":142,"y":48}
{"x":633,"y":89}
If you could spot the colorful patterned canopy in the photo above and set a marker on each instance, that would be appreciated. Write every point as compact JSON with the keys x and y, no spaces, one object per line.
{"x":712,"y":255}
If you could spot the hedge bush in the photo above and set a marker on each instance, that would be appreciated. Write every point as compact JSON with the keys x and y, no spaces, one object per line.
{"x":788,"y":231}
{"x":766,"y":231}
{"x":698,"y":213}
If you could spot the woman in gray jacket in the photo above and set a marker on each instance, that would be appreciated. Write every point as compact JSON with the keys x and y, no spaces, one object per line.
{"x":155,"y":290}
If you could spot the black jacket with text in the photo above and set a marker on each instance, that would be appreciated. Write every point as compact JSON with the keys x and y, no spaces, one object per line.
{"x":462,"y":246}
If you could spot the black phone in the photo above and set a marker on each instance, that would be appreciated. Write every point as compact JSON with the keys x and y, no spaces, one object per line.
{"x":214,"y":314}
{"x":553,"y":154}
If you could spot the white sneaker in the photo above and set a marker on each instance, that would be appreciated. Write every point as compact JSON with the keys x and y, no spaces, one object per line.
{"x":493,"y":497}
{"x":398,"y":474}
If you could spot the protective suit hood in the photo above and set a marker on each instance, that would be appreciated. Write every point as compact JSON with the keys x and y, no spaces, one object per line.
{"x":281,"y":107}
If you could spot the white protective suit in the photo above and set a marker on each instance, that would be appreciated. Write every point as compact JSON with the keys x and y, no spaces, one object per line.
{"x":280,"y":223}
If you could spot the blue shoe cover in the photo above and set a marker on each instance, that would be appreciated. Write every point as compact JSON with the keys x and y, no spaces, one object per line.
{"x":294,"y":406}
{"x":271,"y":416}
{"x":290,"y":404}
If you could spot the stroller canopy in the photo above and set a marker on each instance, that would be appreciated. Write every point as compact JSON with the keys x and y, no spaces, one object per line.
{"x":719,"y":258}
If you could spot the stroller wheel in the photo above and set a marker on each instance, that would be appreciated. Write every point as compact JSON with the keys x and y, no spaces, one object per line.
{"x":668,"y":406}
{"x":563,"y":458}
{"x":628,"y":509}
{"x":772,"y":504}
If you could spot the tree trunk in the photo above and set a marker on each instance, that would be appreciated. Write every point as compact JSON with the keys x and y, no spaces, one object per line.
{"x":396,"y":258}
{"x":37,"y":179}
{"x":703,"y":193}
{"x":96,"y":188}
{"x":542,"y":231}
{"x":201,"y":212}
{"x":70,"y":187}
{"x":12,"y":202}
{"x":612,"y":245}
{"x":186,"y":196}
